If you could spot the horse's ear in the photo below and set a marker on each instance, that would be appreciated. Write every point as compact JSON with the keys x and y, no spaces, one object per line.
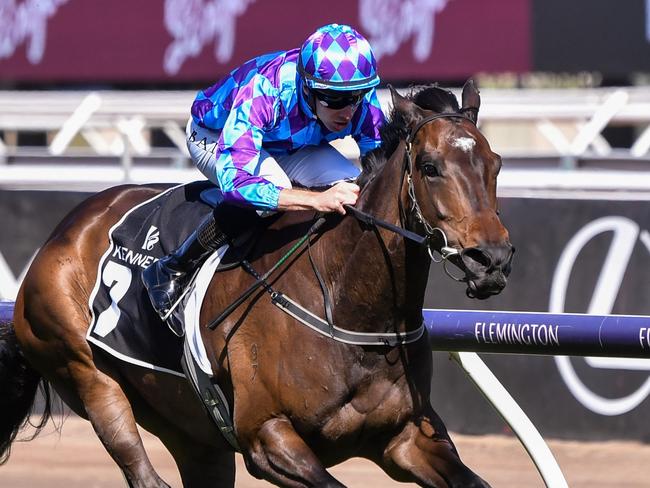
{"x":471,"y":100}
{"x":410,"y":111}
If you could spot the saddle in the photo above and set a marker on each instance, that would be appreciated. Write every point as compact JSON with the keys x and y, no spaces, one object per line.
{"x":123,"y":321}
{"x":246,"y":225}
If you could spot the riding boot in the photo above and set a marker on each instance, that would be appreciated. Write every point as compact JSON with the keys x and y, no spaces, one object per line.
{"x":168,"y":279}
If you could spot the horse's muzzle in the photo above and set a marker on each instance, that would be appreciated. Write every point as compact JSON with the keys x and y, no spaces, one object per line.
{"x":486,"y":269}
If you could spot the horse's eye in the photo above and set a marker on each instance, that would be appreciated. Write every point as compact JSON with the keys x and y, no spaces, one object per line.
{"x":430,"y":170}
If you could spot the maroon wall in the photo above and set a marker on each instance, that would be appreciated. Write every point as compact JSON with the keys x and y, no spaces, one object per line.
{"x":121,"y":41}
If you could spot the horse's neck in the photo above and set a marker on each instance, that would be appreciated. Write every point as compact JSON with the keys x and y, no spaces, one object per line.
{"x":376,"y":277}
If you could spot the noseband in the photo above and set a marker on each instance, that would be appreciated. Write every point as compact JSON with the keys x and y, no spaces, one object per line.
{"x":444,"y":250}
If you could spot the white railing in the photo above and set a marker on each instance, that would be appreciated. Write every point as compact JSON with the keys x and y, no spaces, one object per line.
{"x":572,"y":121}
{"x":110,"y":122}
{"x":115,"y":127}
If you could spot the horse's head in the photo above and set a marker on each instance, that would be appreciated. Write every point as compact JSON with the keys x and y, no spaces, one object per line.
{"x":452,"y":188}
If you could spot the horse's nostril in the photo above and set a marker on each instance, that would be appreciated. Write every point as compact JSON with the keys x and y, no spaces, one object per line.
{"x":479,"y":261}
{"x":474,"y":255}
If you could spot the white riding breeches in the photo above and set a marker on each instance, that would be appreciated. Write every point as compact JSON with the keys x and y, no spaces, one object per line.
{"x":310,"y":166}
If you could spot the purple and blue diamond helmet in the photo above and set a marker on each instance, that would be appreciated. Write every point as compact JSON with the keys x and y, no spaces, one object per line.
{"x":336,"y":57}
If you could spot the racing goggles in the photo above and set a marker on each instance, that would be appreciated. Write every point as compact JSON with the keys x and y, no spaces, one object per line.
{"x":336,"y":100}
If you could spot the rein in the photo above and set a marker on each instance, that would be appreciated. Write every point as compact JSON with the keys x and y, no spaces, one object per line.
{"x":373,"y":221}
{"x":445,"y":251}
{"x":327,"y":327}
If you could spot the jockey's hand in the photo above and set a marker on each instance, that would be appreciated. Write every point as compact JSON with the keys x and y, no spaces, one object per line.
{"x":331,"y":200}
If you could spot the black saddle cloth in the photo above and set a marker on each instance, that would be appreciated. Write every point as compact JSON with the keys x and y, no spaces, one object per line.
{"x":123,"y":321}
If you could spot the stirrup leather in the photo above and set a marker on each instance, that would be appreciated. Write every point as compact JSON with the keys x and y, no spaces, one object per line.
{"x":168,"y":280}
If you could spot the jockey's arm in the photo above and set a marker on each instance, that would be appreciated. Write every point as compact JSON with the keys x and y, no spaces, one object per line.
{"x":343,"y":193}
{"x":331,"y":200}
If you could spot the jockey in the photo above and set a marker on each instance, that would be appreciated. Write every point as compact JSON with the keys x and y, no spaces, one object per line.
{"x":270,"y":123}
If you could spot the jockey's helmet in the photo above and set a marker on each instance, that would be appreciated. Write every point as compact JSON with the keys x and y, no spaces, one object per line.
{"x":337,"y":58}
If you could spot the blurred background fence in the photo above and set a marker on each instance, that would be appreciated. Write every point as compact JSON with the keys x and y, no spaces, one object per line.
{"x":137,"y":136}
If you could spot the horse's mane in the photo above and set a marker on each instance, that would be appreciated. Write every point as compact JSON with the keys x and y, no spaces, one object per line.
{"x":429,"y":97}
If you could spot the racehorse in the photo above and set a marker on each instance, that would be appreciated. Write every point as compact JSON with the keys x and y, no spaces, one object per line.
{"x":301,"y":401}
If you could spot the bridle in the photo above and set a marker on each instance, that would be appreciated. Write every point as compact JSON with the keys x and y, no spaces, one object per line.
{"x":445,"y":251}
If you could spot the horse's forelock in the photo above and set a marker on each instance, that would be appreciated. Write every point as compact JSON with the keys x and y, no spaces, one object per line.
{"x":428,"y":97}
{"x":435,"y":98}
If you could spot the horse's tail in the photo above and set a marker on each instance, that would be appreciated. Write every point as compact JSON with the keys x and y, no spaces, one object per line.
{"x":18,"y":386}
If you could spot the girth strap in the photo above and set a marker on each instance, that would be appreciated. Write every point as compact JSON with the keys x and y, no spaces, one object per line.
{"x":342,"y":335}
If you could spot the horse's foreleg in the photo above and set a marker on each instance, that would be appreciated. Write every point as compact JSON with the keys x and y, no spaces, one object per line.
{"x":280,"y":456}
{"x":111,"y":416}
{"x":200,"y":466}
{"x":425,"y":455}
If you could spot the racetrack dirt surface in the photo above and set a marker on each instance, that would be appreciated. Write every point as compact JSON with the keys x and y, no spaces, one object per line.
{"x":76,"y":459}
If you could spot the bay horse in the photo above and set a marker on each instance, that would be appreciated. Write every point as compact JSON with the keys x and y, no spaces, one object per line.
{"x":300,"y":401}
